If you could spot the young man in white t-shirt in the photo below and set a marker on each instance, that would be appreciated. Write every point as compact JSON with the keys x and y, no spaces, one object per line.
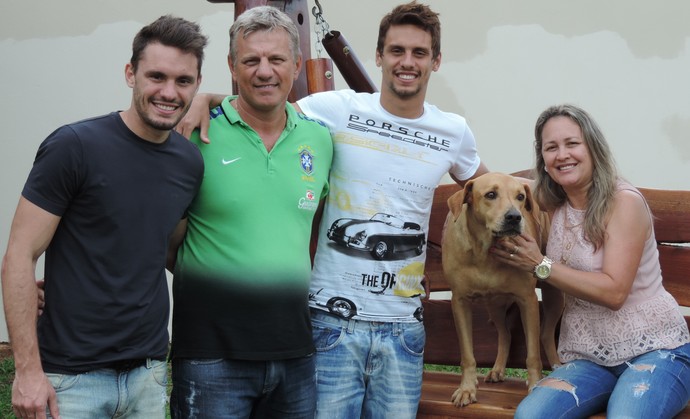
{"x":391,"y":150}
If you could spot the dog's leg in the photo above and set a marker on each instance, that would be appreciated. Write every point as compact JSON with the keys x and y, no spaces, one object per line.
{"x":467,"y":392}
{"x":529,"y":313}
{"x":497,"y":312}
{"x":553,"y":303}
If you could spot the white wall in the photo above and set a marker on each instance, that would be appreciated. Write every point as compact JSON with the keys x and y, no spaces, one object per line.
{"x":626,"y":61}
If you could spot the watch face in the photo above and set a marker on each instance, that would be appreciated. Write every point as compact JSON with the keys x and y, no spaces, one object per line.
{"x":543,"y":271}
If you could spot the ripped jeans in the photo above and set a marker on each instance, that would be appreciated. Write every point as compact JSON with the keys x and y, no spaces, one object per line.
{"x":652,"y":385}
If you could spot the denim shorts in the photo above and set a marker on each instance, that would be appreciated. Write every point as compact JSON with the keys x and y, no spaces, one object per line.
{"x":226,"y":388}
{"x":137,"y":393}
{"x":653,"y":385}
{"x":367,"y":369}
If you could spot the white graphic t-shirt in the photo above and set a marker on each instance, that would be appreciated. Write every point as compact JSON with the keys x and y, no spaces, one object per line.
{"x":370,"y":256}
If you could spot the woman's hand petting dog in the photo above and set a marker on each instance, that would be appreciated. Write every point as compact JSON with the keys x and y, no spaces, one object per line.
{"x":520,"y":251}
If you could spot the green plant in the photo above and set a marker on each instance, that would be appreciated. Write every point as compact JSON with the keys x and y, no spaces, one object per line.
{"x":510,"y":372}
{"x":6,"y":378}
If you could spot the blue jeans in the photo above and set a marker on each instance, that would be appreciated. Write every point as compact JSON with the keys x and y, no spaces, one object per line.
{"x":367,"y":369}
{"x":652,"y":385}
{"x":226,"y":388}
{"x":107,"y":393}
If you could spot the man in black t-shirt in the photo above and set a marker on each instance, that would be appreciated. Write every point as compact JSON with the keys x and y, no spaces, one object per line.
{"x":103,"y":199}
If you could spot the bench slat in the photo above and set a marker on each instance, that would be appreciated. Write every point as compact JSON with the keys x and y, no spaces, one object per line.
{"x":497,"y":401}
{"x":672,"y":212}
{"x":675,"y":268}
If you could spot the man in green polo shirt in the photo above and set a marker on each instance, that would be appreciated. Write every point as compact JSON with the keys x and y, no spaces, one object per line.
{"x":241,"y":323}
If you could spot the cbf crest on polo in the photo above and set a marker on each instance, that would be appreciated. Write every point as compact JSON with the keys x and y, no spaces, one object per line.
{"x":306,"y":161}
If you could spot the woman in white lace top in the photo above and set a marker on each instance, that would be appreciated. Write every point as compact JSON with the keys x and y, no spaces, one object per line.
{"x":623,"y":341}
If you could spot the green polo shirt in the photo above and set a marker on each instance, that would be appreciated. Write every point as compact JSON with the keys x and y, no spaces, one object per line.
{"x":242,"y":275}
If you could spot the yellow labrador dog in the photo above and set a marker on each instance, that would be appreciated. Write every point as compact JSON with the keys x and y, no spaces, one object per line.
{"x":492,"y":206}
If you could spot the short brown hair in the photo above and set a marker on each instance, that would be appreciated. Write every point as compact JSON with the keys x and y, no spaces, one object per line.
{"x":170,"y":31}
{"x":413,"y":13}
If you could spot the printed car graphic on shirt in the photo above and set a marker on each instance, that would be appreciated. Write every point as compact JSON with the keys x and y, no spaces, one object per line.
{"x":347,"y":309}
{"x":382,"y":235}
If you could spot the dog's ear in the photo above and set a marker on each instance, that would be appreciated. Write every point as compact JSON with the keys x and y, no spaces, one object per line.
{"x":530,"y":204}
{"x":469,"y":186}
{"x":456,"y":201}
{"x":541,"y":218}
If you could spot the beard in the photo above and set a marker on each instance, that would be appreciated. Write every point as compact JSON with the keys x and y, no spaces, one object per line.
{"x":404,"y":93}
{"x":141,"y":105}
{"x":162,"y":125}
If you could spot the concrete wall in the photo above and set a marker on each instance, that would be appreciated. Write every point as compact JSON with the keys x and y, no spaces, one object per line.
{"x":626,"y":61}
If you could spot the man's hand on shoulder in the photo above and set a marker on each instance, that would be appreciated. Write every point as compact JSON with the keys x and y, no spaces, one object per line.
{"x":198,"y":116}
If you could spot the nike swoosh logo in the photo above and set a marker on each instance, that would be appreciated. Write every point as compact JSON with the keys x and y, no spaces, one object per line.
{"x":231,"y":161}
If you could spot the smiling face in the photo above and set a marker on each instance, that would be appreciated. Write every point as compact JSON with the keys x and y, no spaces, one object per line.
{"x":264,"y":69}
{"x":406,"y":62}
{"x":566,"y":156}
{"x":163,"y":86}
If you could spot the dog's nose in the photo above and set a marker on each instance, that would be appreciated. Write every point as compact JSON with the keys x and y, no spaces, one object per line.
{"x":513,"y":217}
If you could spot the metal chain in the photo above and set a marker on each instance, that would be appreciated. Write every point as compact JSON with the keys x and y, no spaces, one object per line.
{"x":321,"y":27}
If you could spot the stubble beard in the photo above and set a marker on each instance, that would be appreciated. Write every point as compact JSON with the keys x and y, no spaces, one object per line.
{"x":162,"y":125}
{"x":159,"y":125}
{"x":404,"y":94}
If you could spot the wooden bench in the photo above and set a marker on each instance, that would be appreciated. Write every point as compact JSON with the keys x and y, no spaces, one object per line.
{"x":499,"y":400}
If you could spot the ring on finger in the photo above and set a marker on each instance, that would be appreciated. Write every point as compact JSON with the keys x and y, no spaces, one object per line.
{"x":516,"y":249}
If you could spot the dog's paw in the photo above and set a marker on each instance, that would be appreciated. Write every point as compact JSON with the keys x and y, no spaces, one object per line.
{"x":495,"y":376}
{"x":533,"y":377}
{"x":464,"y":396}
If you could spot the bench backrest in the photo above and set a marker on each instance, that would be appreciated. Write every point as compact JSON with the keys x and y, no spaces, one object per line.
{"x":671,"y":210}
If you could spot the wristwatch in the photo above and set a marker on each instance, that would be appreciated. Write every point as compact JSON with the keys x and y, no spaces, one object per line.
{"x":543,"y":270}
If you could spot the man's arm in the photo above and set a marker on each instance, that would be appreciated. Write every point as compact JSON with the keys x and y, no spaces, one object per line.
{"x":175,"y":242}
{"x":316,"y":222}
{"x":482,"y":169}
{"x":32,"y":230}
{"x":198,"y":115}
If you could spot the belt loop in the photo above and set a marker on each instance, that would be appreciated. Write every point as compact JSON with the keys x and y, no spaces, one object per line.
{"x":149,"y":363}
{"x":351,"y":326}
{"x":397,"y":328}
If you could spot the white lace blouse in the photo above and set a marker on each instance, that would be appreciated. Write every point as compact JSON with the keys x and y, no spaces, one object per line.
{"x":650,"y":318}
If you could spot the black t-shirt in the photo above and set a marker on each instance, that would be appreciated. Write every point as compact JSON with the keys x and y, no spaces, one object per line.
{"x":120,"y":198}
